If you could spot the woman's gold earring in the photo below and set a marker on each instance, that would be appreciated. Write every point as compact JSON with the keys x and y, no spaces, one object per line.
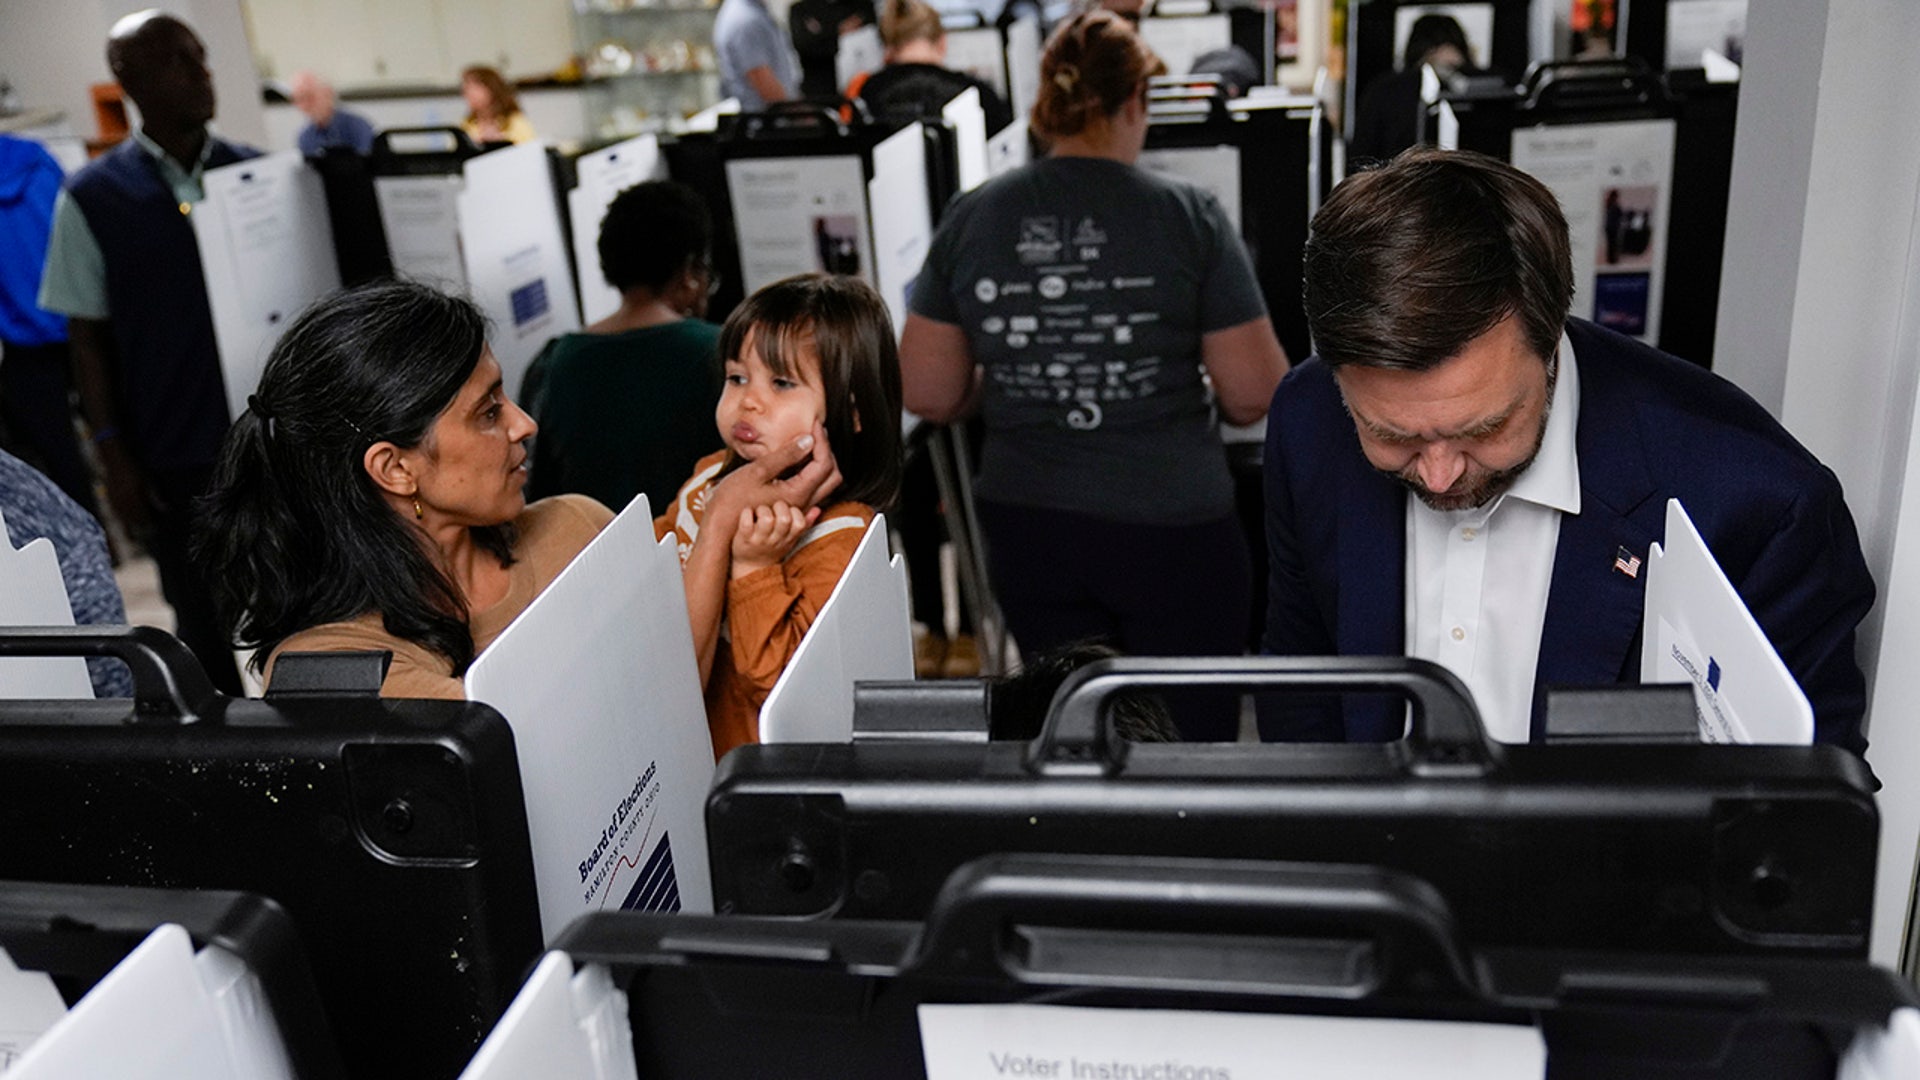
{"x":419,"y":514}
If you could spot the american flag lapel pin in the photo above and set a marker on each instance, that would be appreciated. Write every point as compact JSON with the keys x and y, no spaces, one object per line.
{"x":1626,"y":562}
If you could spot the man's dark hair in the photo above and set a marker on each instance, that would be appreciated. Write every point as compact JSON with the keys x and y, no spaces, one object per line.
{"x":294,"y":534}
{"x":1409,"y":262}
{"x":1017,"y":706}
{"x":653,"y":231}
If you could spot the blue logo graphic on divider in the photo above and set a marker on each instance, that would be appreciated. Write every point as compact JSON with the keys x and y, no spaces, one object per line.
{"x":656,"y":889}
{"x":1713,"y":673}
{"x":530,"y":301}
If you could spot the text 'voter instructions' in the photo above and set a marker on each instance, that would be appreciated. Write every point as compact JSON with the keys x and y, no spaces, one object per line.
{"x":1003,"y":1042}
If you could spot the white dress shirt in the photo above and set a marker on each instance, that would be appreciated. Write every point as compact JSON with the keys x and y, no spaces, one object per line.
{"x":1477,"y":580}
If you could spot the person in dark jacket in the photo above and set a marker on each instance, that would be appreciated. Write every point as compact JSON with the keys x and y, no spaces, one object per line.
{"x":915,"y":81}
{"x":124,"y":267}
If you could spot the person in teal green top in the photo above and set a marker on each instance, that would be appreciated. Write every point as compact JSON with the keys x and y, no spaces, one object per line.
{"x":626,"y":406}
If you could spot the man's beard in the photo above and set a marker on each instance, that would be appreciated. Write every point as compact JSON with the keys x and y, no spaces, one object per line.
{"x":1477,"y":489}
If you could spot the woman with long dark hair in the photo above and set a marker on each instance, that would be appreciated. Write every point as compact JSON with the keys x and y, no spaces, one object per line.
{"x":370,"y":497}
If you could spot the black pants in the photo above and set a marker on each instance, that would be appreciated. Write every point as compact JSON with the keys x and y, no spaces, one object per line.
{"x":922,"y":530}
{"x":174,"y":492}
{"x":36,"y":410}
{"x":1147,"y":590}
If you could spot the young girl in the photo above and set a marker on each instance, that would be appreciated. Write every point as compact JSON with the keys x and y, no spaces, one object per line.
{"x":810,"y":354}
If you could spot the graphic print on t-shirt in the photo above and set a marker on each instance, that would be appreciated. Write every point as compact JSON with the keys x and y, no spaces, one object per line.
{"x":1082,"y":312}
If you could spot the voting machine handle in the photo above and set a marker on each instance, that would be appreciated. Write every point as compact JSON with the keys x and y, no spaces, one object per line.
{"x":1623,"y":83}
{"x":1317,"y":930}
{"x":787,"y":119}
{"x":169,"y":685}
{"x":1445,"y":737}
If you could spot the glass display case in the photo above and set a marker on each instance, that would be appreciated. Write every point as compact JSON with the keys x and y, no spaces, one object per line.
{"x":648,"y":65}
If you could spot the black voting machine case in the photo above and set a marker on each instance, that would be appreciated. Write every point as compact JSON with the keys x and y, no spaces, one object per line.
{"x":1656,"y":848}
{"x":393,"y":832}
{"x":733,"y":997}
{"x":77,"y":934}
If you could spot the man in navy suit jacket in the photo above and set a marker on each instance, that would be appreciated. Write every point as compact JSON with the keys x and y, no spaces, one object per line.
{"x":1437,"y":290}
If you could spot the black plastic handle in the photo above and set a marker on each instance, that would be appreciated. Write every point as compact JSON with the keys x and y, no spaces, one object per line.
{"x":790,"y":118}
{"x":1624,"y":82}
{"x":1446,"y":735}
{"x":1297,"y":929}
{"x":168,"y":682}
{"x":463,"y":145}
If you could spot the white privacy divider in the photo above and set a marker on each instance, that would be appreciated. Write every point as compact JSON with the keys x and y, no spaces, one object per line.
{"x":1885,"y":1053}
{"x":865,"y":631}
{"x":266,"y":250}
{"x":603,"y":175}
{"x":562,"y":1024}
{"x":32,"y":593}
{"x":515,"y":255}
{"x":598,"y":680}
{"x":165,"y":1012}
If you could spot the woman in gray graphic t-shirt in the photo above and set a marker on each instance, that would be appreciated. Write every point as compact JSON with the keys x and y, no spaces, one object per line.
{"x":1091,"y":302}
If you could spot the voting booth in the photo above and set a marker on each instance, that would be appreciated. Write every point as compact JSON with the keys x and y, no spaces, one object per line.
{"x":32,"y":593}
{"x":1673,"y":35}
{"x":1377,"y":32}
{"x":1266,"y":160}
{"x":1051,"y":966}
{"x":151,"y":983}
{"x":598,"y":679}
{"x":392,"y":832}
{"x":1641,"y":165}
{"x":601,"y":175}
{"x":864,"y":631}
{"x":1581,"y":846}
{"x":266,"y":250}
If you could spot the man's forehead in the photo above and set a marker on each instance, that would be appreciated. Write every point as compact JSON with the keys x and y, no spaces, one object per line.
{"x":1435,"y":402}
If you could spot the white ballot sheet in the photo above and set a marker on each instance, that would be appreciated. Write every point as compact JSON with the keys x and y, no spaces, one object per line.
{"x":859,"y":51}
{"x":421,"y":217}
{"x":603,"y":175}
{"x":980,"y":53}
{"x":598,"y":681}
{"x":1215,"y":169}
{"x":1180,"y":41}
{"x":1615,"y":181}
{"x":516,"y":259}
{"x":1009,"y":149}
{"x":1023,"y":66}
{"x":165,"y":1012}
{"x":1476,"y":22}
{"x":995,"y":1042}
{"x":795,"y":215}
{"x":29,"y":1006}
{"x":969,"y":122}
{"x":561,"y":1024}
{"x":32,"y":593}
{"x":1698,"y":631}
{"x":902,"y":220}
{"x":864,"y":631}
{"x":266,"y":250}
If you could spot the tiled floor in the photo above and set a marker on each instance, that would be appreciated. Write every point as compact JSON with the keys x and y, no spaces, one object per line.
{"x":140,"y":589}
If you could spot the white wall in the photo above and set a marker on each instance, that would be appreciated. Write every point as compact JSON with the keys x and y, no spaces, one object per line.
{"x":1820,"y":320}
{"x":53,"y":49}
{"x":558,"y":115}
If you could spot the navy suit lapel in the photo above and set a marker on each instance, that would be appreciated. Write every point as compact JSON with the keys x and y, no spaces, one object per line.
{"x":1372,"y":576}
{"x":1593,"y":614}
